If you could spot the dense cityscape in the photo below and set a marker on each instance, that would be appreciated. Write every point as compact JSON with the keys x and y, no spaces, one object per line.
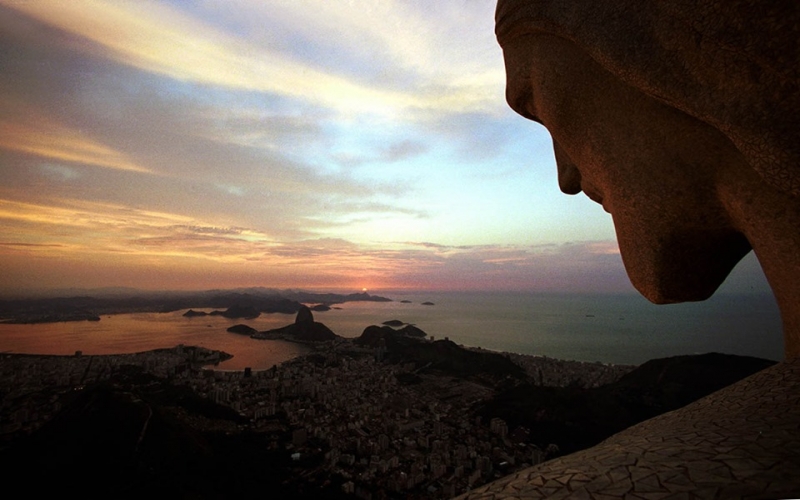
{"x":358,"y":424}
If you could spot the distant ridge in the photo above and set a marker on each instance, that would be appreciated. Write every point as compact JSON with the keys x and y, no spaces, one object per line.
{"x":238,"y":303}
{"x":123,"y":291}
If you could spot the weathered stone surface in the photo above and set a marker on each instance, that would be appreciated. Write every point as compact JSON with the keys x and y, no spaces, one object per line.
{"x":732,"y":64}
{"x":682,"y":119}
{"x":747,"y":413}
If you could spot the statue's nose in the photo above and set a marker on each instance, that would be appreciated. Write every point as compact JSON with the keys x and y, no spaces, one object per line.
{"x":569,"y":177}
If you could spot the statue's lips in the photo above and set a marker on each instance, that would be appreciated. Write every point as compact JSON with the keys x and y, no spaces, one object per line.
{"x":593,"y":194}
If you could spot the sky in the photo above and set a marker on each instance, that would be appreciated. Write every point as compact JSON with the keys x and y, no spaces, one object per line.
{"x":310,"y":144}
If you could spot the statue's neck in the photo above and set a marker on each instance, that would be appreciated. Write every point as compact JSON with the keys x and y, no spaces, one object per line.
{"x":783,"y":274}
{"x":771,"y":222}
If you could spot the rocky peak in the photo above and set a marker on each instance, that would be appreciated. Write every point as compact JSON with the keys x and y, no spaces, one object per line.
{"x":304,"y":319}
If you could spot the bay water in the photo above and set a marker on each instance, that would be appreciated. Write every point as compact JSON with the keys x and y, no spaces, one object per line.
{"x":618,"y":329}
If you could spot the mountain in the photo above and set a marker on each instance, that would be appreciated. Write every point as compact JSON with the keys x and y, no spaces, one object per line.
{"x":408,"y":344}
{"x":304,"y":328}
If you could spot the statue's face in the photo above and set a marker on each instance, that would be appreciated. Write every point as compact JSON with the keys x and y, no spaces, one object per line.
{"x":655,"y":169}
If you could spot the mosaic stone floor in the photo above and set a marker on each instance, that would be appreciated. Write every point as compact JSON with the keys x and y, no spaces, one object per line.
{"x":740,"y":442}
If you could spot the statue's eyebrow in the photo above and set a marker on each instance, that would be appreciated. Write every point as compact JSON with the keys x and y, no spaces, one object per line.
{"x":508,"y":17}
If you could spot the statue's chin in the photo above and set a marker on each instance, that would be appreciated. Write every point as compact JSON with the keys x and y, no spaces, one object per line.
{"x":665,"y":293}
{"x":682,"y":269}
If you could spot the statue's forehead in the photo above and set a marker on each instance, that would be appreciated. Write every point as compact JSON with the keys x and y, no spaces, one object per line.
{"x":515,"y":17}
{"x":734,"y":65}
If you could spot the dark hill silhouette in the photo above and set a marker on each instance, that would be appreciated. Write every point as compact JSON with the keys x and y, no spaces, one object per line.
{"x":406,"y":344}
{"x":305,"y":328}
{"x":412,"y":331}
{"x":246,"y":311}
{"x":371,"y":335}
{"x":242,"y":329}
{"x":125,"y":440}
{"x":575,"y":418}
{"x":449,"y":357}
{"x":96,"y":439}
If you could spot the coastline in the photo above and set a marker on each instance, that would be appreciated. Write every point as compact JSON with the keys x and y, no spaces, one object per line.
{"x":338,"y":406}
{"x":617,"y":330}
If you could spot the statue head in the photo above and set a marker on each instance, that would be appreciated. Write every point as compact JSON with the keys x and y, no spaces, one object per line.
{"x":681,"y":118}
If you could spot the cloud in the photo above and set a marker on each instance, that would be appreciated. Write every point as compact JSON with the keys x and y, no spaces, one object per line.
{"x":439,"y":246}
{"x":46,"y":139}
{"x":443,"y":51}
{"x":230,"y":231}
{"x":92,"y":223}
{"x":259,"y":158}
{"x":403,"y":150}
{"x":216,"y":156}
{"x":396,"y":152}
{"x":60,"y":172}
{"x":33,"y":245}
{"x":161,"y":39}
{"x":574,"y":267}
{"x":294,"y":141}
{"x":79,"y":227}
{"x":571,"y":267}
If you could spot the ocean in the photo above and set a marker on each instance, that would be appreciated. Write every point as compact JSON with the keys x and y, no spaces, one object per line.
{"x":624,"y":329}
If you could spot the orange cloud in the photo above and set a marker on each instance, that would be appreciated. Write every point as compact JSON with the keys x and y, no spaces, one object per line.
{"x":108,"y":242}
{"x":604,"y":247}
{"x":43,"y":137}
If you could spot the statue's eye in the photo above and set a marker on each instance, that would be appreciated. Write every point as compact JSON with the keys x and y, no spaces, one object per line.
{"x":520,"y":99}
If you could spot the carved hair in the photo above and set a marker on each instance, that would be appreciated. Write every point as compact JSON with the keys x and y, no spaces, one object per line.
{"x":734,"y":64}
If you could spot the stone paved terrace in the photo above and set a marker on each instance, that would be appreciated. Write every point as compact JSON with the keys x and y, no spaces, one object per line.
{"x":740,"y":442}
